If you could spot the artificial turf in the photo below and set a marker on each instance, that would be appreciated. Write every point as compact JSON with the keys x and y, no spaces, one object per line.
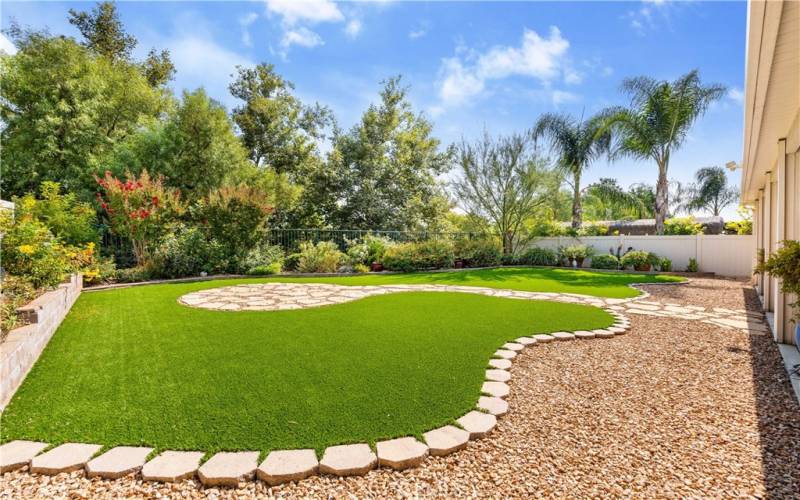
{"x":531,"y":279}
{"x":132,"y":366}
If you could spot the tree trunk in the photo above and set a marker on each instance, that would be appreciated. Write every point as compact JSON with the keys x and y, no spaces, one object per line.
{"x":508,"y":242}
{"x":577,"y":209}
{"x":662,"y":197}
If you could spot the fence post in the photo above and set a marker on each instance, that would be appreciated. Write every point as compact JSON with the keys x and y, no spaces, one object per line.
{"x":698,"y":251}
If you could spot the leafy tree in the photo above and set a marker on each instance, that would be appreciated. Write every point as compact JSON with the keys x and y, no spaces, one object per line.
{"x":657,"y":122}
{"x":71,"y":221}
{"x":278,"y":131}
{"x":195,"y":149}
{"x":382,"y":173}
{"x":103,"y":31}
{"x":64,"y":109}
{"x":158,"y":68}
{"x":577,"y":144}
{"x":711,"y":191}
{"x":503,"y":181}
{"x":607,"y":200}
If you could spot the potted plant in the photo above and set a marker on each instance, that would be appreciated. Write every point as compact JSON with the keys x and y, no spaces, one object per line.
{"x":376,"y":267}
{"x":576,"y":254}
{"x":638,"y":260}
{"x":784,"y":263}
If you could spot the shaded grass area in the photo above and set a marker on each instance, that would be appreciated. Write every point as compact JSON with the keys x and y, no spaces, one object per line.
{"x":530,"y":279}
{"x":132,"y":366}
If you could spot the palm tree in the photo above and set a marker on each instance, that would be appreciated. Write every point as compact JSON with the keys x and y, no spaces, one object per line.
{"x":712,"y":192}
{"x":657,"y":122}
{"x":577,"y":143}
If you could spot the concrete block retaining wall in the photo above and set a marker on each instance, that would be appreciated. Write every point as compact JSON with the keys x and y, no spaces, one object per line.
{"x":22,"y":346}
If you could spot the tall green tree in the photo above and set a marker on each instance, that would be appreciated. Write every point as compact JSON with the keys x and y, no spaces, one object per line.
{"x":576,"y":143}
{"x":711,"y":191}
{"x":656,"y":123}
{"x":383,"y":172}
{"x":64,"y":109}
{"x":504,"y":181}
{"x":278,"y":131}
{"x":103,"y":31}
{"x":195,"y":149}
{"x":607,"y":200}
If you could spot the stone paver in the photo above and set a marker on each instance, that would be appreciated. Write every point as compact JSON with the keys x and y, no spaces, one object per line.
{"x":477,"y":423}
{"x":513,"y":346}
{"x":401,"y":453}
{"x":604,"y":334}
{"x":525,"y":341}
{"x":500,"y":364}
{"x":495,"y":406}
{"x":65,"y":458}
{"x":502,"y":353}
{"x":446,"y":440}
{"x":229,"y":469}
{"x":543,"y":338}
{"x":16,"y":454}
{"x":563,"y":336}
{"x":288,"y":465}
{"x":496,"y":389}
{"x":118,"y":462}
{"x":348,"y":460}
{"x":498,"y":375}
{"x":171,"y":466}
{"x":583,"y":335}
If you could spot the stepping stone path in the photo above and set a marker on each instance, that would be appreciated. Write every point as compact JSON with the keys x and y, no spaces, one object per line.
{"x":65,"y":458}
{"x":348,"y":460}
{"x":172,"y":466}
{"x":401,"y":453}
{"x":288,"y":465}
{"x":18,"y":454}
{"x":118,"y":462}
{"x":231,"y":469}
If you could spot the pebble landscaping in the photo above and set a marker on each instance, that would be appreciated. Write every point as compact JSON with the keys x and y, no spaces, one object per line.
{"x":235,"y":469}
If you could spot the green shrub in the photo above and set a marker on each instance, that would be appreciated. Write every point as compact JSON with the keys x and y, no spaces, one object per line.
{"x":360,"y":268}
{"x":593,"y":229}
{"x":134,"y":274}
{"x":324,"y":257}
{"x":30,"y":251}
{"x":478,"y":253}
{"x":70,"y":220}
{"x":636,"y":259}
{"x":509,"y":259}
{"x":368,"y":250}
{"x":291,"y":261}
{"x":185,"y":251}
{"x":692,"y":267}
{"x":577,"y":251}
{"x":261,"y":257}
{"x":740,"y":227}
{"x":664,"y":264}
{"x":263,"y":270}
{"x":432,"y":254}
{"x":605,"y":261}
{"x":682,"y":226}
{"x":15,"y":291}
{"x":784,"y":263}
{"x":536,"y":256}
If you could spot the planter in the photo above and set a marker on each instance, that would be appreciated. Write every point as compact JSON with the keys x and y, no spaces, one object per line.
{"x":376,"y":267}
{"x":643,"y":267}
{"x":459,"y":264}
{"x":579,"y":261}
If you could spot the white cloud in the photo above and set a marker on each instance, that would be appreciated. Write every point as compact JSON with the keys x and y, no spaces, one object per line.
{"x":6,"y":46}
{"x":301,"y":36}
{"x":559,"y":97}
{"x":607,"y":71}
{"x":572,"y":76}
{"x":311,"y":11}
{"x":245,"y":22}
{"x":642,"y":19}
{"x":353,"y":28}
{"x":543,"y":59}
{"x":736,"y":95}
{"x":418,"y":33}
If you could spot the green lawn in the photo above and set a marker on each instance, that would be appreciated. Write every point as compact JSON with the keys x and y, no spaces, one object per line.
{"x":132,"y":366}
{"x":531,"y":279}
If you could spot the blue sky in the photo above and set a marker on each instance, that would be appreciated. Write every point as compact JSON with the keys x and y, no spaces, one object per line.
{"x":470,"y":65}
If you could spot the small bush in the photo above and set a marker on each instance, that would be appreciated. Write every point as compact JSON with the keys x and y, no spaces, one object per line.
{"x":30,"y":251}
{"x":185,"y":251}
{"x":682,"y":226}
{"x":478,"y":253}
{"x":261,"y":257}
{"x":360,"y":268}
{"x":16,"y":292}
{"x":637,"y":259}
{"x":692,"y":267}
{"x":264,"y":270}
{"x":509,"y":259}
{"x":134,"y":274}
{"x":433,"y":254}
{"x":324,"y":257}
{"x":593,"y":229}
{"x":368,"y":250}
{"x":605,"y":261}
{"x":664,"y":264}
{"x":536,"y":256}
{"x":577,"y":251}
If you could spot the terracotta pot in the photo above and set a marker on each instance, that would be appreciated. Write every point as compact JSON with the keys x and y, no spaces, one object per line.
{"x":376,"y":267}
{"x":459,"y":264}
{"x":642,"y":267}
{"x":579,"y":260}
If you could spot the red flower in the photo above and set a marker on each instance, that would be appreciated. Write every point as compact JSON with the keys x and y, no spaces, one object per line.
{"x":155,"y":201}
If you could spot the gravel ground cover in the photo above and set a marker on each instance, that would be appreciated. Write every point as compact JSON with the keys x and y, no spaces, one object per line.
{"x":672,"y":409}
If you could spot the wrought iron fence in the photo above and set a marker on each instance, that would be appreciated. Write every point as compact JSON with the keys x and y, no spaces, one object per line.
{"x":290,"y":239}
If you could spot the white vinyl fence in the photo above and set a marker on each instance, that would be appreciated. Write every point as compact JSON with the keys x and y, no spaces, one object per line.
{"x":725,"y":255}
